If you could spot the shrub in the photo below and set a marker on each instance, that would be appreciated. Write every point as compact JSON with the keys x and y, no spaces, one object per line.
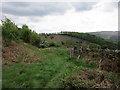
{"x":44,"y":44}
{"x":57,"y":44}
{"x":9,"y":30}
{"x":25,"y":33}
{"x":62,"y":43}
{"x":54,"y":44}
{"x":51,"y":44}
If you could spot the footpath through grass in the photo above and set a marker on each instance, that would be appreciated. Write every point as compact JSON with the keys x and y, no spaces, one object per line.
{"x":47,"y":73}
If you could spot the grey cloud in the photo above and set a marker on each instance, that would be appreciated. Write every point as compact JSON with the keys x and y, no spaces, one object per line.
{"x":115,"y":4}
{"x":35,"y":9}
{"x":83,"y":6}
{"x":17,"y":4}
{"x":43,"y":8}
{"x":46,"y":8}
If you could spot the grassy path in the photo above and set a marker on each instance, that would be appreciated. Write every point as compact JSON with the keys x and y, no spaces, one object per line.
{"x":41,"y":74}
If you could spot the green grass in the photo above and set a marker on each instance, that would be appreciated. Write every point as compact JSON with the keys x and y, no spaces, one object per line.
{"x":20,"y":58}
{"x":48,"y":73}
{"x":31,"y":47}
{"x":38,"y":74}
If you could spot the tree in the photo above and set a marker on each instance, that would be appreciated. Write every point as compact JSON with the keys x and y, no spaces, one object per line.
{"x":9,"y":30}
{"x":25,"y":34}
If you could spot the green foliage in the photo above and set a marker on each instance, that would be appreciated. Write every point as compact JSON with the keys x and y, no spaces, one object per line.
{"x":92,"y":38}
{"x":54,"y":44}
{"x":29,"y":36}
{"x":44,"y":44}
{"x":9,"y":30}
{"x":25,"y":34}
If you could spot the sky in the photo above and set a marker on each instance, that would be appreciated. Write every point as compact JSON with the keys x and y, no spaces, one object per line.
{"x":49,"y":17}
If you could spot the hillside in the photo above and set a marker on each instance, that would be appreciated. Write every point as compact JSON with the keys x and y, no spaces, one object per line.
{"x":93,"y":39}
{"x":53,"y":68}
{"x":79,"y":39}
{"x":60,"y":38}
{"x":66,"y":40}
{"x":111,"y":35}
{"x":64,"y":60}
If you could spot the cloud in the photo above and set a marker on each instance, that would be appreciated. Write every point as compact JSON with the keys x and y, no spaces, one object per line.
{"x":34,"y":8}
{"x":106,"y":6}
{"x":43,"y":8}
{"x":64,"y":16}
{"x":83,"y":6}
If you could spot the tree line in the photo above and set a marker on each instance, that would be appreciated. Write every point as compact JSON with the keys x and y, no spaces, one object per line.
{"x":93,"y":39}
{"x":10,"y":32}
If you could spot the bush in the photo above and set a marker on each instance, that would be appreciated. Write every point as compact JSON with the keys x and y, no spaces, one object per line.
{"x":54,"y":44}
{"x":44,"y":44}
{"x":57,"y":44}
{"x":62,"y":43}
{"x":25,"y":34}
{"x":9,"y":30}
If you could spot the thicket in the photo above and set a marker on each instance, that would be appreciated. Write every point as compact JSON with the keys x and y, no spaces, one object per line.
{"x":10,"y":32}
{"x":54,"y":44}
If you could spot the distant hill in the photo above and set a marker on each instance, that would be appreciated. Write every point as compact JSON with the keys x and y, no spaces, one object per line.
{"x":68,"y":40}
{"x":75,"y":37}
{"x":111,"y":35}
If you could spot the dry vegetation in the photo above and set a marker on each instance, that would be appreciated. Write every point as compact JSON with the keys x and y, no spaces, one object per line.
{"x":13,"y":52}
